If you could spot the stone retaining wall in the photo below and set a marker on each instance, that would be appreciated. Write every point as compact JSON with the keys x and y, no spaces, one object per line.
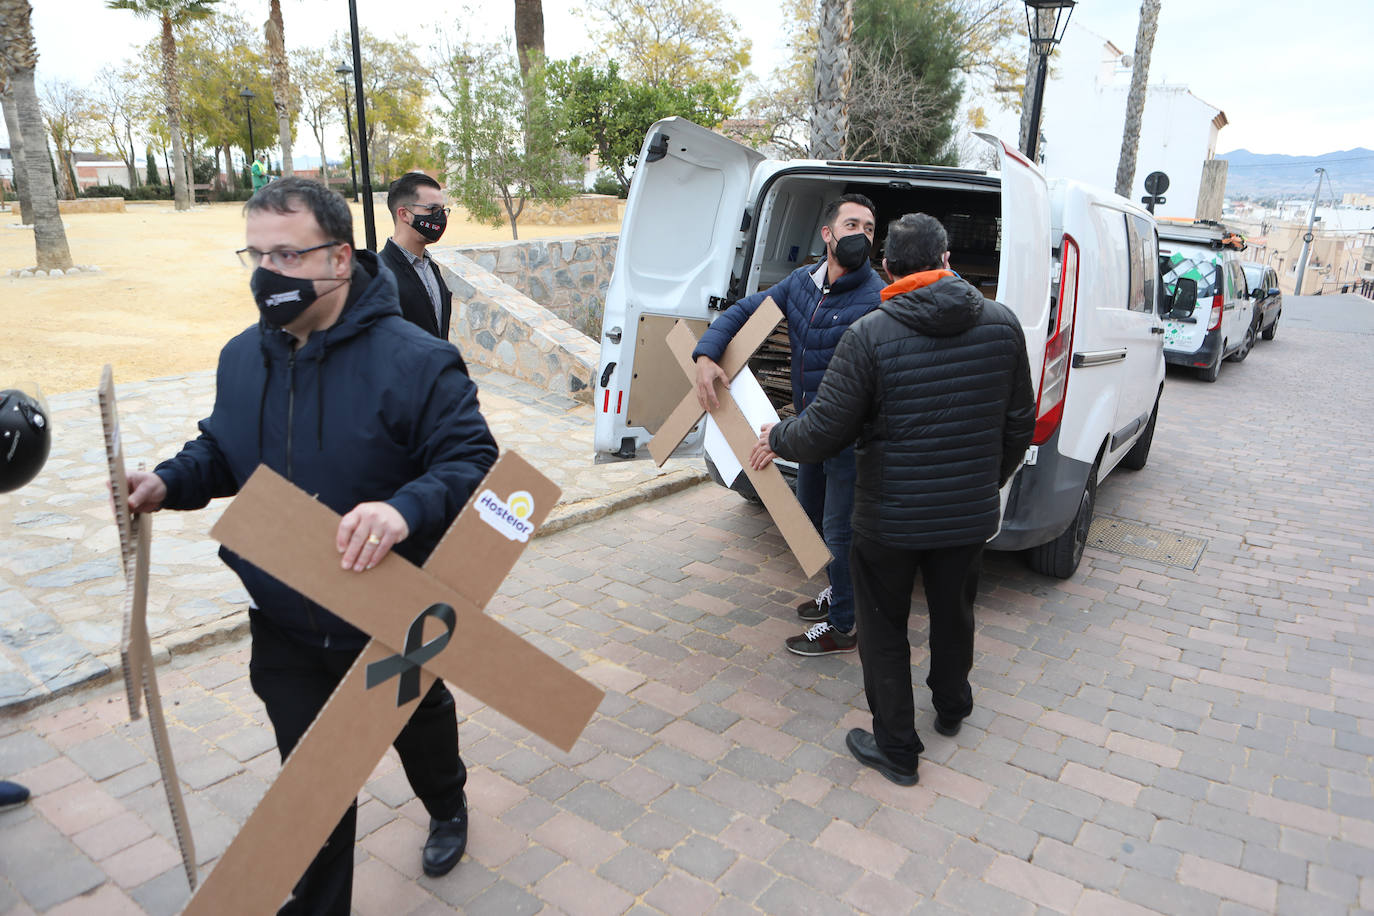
{"x":567,"y":276}
{"x":584,"y":208}
{"x":92,"y":205}
{"x":498,"y":326}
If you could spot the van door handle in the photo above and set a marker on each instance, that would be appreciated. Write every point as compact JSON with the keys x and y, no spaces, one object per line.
{"x":1156,"y":330}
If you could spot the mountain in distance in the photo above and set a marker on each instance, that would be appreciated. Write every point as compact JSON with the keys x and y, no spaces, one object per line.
{"x":1263,"y":175}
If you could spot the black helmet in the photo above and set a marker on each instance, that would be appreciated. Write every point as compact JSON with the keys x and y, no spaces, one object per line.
{"x":25,"y":437}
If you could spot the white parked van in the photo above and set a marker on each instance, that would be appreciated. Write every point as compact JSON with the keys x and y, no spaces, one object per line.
{"x":1219,"y":321}
{"x":709,"y":221}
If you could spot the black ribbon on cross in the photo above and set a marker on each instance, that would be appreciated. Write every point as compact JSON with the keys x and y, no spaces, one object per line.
{"x":407,"y":664}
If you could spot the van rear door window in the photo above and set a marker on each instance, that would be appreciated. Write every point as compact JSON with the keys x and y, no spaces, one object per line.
{"x":1202,"y":266}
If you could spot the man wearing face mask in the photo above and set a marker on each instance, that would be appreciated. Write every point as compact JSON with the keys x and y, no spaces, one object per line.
{"x":335,"y":390}
{"x":418,"y":209}
{"x":820,"y":302}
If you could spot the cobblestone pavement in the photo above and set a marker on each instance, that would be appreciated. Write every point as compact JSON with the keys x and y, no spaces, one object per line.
{"x":60,"y":584}
{"x":1145,"y":739}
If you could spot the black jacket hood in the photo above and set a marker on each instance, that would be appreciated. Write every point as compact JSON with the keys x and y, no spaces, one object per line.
{"x":946,"y":307}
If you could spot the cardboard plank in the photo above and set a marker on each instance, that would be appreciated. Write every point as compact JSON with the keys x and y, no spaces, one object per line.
{"x":157,"y":724}
{"x":483,"y":659}
{"x":129,"y":648}
{"x":317,"y":783}
{"x":656,"y":386}
{"x":793,"y":523}
{"x":736,"y":356}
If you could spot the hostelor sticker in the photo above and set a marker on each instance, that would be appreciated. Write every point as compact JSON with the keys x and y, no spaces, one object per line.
{"x":508,"y":516}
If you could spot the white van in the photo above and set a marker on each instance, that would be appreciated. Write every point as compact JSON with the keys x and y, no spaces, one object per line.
{"x":1218,"y":323}
{"x":709,"y":221}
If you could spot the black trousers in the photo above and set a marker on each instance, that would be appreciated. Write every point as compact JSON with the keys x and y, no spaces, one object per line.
{"x":293,"y":680}
{"x":883,"y":580}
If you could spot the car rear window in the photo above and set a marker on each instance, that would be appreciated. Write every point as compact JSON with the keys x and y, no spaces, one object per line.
{"x":1199,"y":264}
{"x":1254,"y":276}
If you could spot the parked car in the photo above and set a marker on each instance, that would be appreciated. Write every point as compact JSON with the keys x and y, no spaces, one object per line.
{"x":1220,"y":324}
{"x":1264,"y":289}
{"x":709,"y":221}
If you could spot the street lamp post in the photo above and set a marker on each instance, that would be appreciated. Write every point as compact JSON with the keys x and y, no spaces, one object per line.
{"x":344,"y":71}
{"x":369,"y":223}
{"x":248,"y":95}
{"x":1043,"y":41}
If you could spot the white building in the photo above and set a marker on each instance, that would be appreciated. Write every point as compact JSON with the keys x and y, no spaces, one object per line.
{"x":1085,"y":114}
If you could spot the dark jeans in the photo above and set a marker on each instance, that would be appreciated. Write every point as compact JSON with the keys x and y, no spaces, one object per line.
{"x":826,"y":492}
{"x":883,"y":580}
{"x":294,"y":680}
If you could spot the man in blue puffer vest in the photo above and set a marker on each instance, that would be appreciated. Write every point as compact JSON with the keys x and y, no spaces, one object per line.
{"x":820,"y":303}
{"x":375,"y":418}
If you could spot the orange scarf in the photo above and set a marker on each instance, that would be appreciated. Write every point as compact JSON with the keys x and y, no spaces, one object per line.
{"x":914,"y":282}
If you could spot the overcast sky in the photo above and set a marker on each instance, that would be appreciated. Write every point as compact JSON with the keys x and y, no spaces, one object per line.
{"x":1292,"y":78}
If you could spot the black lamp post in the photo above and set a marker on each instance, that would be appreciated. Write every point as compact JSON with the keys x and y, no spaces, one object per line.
{"x":1043,"y":42}
{"x":369,"y":223}
{"x":248,"y":95}
{"x":344,"y":71}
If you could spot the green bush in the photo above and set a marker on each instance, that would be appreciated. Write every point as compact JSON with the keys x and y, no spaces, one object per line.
{"x":606,"y":184}
{"x":218,"y":195}
{"x":106,"y":190}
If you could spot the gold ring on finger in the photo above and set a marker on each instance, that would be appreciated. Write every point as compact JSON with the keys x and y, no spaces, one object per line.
{"x":373,"y":539}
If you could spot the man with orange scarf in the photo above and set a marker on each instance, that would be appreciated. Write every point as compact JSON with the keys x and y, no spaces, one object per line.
{"x":935,"y":387}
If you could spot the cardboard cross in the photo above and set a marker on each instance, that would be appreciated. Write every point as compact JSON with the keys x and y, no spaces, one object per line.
{"x":796,"y":527}
{"x":284,"y":532}
{"x":135,"y":648}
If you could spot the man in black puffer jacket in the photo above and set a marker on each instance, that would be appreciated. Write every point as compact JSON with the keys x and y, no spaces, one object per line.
{"x":820,"y":303}
{"x":936,"y":388}
{"x":376,"y":419}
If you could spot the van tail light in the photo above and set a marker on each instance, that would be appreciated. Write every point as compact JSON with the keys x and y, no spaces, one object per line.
{"x":1215,"y":321}
{"x":1054,"y":377}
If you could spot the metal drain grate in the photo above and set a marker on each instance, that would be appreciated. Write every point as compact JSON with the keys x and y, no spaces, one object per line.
{"x":1132,"y":539}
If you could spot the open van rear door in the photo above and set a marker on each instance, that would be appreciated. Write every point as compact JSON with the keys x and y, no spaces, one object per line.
{"x":683,"y":224}
{"x":1023,"y":274}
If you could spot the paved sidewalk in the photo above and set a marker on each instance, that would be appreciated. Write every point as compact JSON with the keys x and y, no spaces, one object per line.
{"x":61,"y":589}
{"x":1145,"y":738}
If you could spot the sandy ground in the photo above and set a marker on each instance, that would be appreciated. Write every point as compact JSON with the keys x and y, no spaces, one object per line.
{"x":170,"y":294}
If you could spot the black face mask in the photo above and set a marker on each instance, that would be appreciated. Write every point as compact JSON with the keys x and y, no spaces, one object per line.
{"x":281,"y":299}
{"x":430,"y":226}
{"x":851,"y":251}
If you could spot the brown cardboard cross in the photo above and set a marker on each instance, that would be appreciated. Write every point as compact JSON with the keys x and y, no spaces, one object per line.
{"x":777,"y":496}
{"x":284,"y":532}
{"x":135,"y":648}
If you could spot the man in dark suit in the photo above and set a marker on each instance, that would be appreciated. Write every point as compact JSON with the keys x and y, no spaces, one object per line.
{"x":417,"y":206}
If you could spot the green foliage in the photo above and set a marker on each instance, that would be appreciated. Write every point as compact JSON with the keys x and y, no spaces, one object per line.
{"x":394,"y":90}
{"x":143,"y":192}
{"x":179,"y":11}
{"x":607,"y":115}
{"x":672,"y":42}
{"x":506,"y":145}
{"x":609,"y":185}
{"x":152,"y":177}
{"x":914,"y":45}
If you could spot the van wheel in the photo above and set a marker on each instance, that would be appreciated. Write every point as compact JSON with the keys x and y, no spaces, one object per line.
{"x":1140,"y":452}
{"x":1273,"y":329}
{"x":1211,"y":372}
{"x":1061,"y":556}
{"x":1247,"y":344}
{"x":743,"y":485}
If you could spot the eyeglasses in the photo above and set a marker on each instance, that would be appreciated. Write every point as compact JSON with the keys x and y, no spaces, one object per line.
{"x":430,"y":209}
{"x":281,"y":258}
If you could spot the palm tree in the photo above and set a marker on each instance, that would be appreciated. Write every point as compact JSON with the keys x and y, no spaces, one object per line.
{"x":19,"y":56}
{"x":171,"y":13}
{"x":16,"y":143}
{"x":281,"y":83}
{"x":1135,"y":100}
{"x":529,"y":31}
{"x":829,"y":103}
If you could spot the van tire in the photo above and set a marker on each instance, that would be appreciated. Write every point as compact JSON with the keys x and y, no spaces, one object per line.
{"x":1210,"y":373}
{"x":1060,"y":557}
{"x":743,"y":485}
{"x":1140,"y":452}
{"x":1273,"y":328}
{"x":1248,"y":344}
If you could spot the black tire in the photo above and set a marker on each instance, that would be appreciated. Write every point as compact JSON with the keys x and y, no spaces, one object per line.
{"x":1273,"y":329}
{"x":1248,"y":344}
{"x":1210,"y":373}
{"x":1140,"y":452}
{"x":1060,"y":557}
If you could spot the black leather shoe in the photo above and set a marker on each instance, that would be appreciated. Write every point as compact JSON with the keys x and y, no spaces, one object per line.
{"x":865,"y":750}
{"x":948,"y":727}
{"x":447,"y":840}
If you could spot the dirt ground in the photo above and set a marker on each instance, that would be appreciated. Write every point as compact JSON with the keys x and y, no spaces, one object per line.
{"x":169,"y":295}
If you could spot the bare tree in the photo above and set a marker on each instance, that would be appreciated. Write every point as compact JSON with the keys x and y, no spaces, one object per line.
{"x":829,"y":99}
{"x":114,"y":109}
{"x":887,"y":109}
{"x":1135,"y":100}
{"x":66,"y":111}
